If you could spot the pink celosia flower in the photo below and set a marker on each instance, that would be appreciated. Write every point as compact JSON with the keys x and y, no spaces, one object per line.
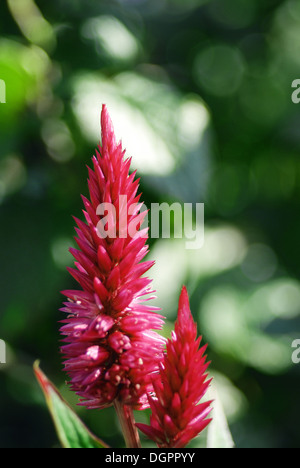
{"x":177,"y":417}
{"x":111,"y":353}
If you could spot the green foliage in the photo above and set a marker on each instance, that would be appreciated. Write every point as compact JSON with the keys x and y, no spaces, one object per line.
{"x":218,"y":433}
{"x":71,"y":432}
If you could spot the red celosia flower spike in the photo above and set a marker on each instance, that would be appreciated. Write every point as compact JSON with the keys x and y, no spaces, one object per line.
{"x":177,"y":417}
{"x":111,"y":351}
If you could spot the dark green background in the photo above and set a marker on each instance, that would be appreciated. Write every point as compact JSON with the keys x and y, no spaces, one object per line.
{"x":163,"y":67}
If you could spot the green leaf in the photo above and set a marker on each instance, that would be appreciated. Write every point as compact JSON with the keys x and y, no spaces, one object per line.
{"x":71,"y":431}
{"x":218,"y":434}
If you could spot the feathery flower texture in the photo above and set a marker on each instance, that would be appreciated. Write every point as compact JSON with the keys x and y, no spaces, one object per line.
{"x":177,"y":416}
{"x":111,"y":351}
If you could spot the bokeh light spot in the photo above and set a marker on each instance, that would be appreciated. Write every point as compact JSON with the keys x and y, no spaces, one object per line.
{"x":219,"y":70}
{"x":111,"y":37}
{"x":260,"y":263}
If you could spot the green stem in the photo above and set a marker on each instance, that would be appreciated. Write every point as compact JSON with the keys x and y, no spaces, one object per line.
{"x":126,"y":418}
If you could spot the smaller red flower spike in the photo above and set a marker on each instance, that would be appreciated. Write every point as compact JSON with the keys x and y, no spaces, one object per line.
{"x":177,"y":414}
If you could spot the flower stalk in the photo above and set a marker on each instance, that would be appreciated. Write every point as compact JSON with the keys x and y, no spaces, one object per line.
{"x":126,"y":418}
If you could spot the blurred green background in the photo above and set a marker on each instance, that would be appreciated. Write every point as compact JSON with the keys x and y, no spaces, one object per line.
{"x":200,"y":93}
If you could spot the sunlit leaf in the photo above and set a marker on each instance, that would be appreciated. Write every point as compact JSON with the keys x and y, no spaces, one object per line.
{"x":218,"y":434}
{"x":71,"y":431}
